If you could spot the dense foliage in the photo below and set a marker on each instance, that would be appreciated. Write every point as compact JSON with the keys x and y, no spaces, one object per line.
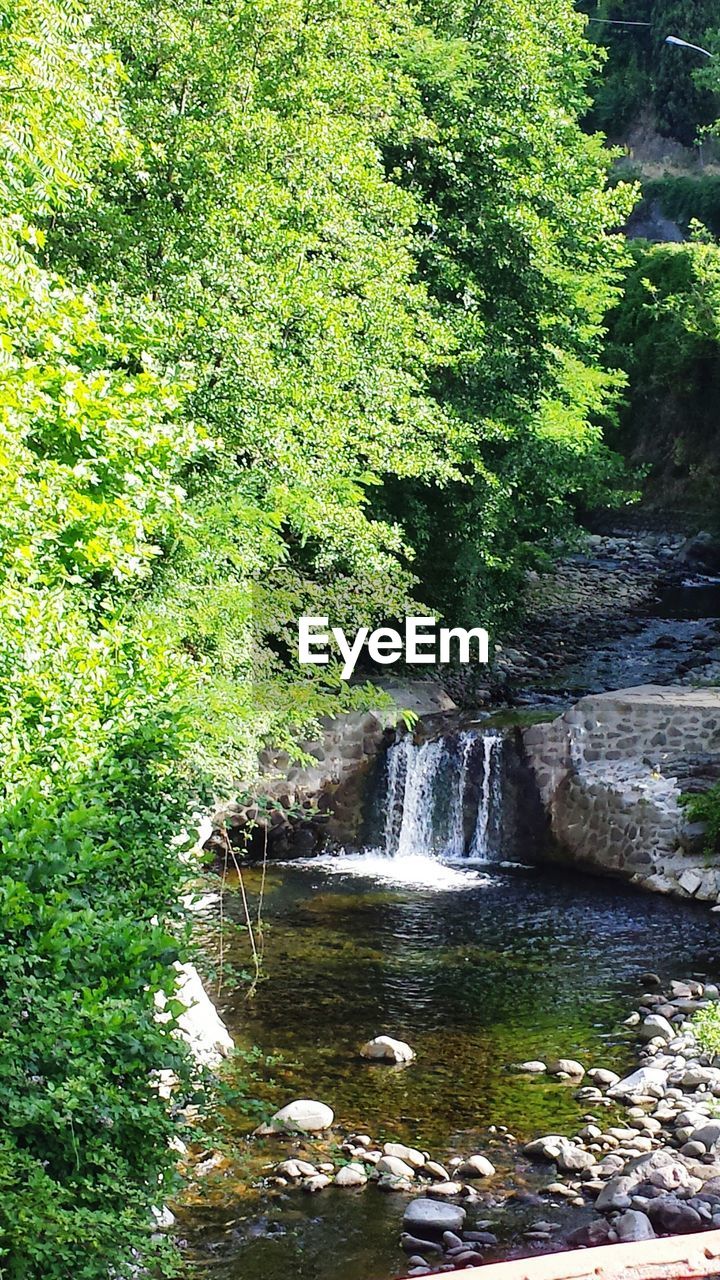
{"x":665,"y":333}
{"x":300,"y":302}
{"x":646,"y":80}
{"x":92,"y":732}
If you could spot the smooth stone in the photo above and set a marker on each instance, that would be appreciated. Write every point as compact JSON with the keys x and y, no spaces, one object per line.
{"x":567,"y":1067}
{"x":656,"y":1026}
{"x":395,"y":1167}
{"x":386,"y":1049}
{"x":592,"y":1233}
{"x":646,"y":1079}
{"x":602,"y":1077}
{"x":409,"y":1155}
{"x":442,"y":1189}
{"x":634,"y":1225}
{"x":415,"y":1244}
{"x":668,"y":1214}
{"x":534,"y":1067}
{"x":351,"y":1175}
{"x":302,"y":1116}
{"x":694,"y":1150}
{"x":476,"y":1167}
{"x":574,"y":1159}
{"x":436,"y":1171}
{"x":426,"y":1214}
{"x":708,"y":1134}
{"x":547,"y":1148}
{"x":616,"y":1194}
{"x":318,"y":1183}
{"x":291,"y":1169}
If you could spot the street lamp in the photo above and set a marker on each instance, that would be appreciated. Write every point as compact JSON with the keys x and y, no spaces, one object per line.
{"x":684,"y":45}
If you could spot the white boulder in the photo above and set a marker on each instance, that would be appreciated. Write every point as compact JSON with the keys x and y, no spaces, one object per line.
{"x":386,"y":1049}
{"x":302,"y":1116}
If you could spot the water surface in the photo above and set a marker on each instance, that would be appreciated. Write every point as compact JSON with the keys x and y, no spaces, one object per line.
{"x":475,"y":970}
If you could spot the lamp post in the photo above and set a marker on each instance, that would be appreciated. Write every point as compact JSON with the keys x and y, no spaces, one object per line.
{"x":683,"y":44}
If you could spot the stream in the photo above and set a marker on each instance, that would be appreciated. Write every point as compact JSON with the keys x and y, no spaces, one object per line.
{"x":429,"y":936}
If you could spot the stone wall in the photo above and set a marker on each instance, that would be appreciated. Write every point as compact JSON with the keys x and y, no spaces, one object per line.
{"x":324,"y":800}
{"x":610,"y":772}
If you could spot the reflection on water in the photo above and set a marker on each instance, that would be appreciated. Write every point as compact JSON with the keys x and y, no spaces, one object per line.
{"x":475,"y":973}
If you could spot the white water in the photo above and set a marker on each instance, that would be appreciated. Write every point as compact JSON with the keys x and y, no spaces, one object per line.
{"x":489,"y":809}
{"x":442,"y":815}
{"x":431,"y":791}
{"x":414,"y":871}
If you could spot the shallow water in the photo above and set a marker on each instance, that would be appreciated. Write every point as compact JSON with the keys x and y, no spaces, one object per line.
{"x":481,"y":969}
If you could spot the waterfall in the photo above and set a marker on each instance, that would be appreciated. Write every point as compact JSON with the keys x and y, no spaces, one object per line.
{"x":444,"y":797}
{"x":488,"y":810}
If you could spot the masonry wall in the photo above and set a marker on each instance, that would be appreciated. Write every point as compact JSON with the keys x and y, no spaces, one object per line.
{"x":609,"y":772}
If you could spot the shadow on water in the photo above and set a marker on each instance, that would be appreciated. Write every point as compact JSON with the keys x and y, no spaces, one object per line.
{"x":486,"y":971}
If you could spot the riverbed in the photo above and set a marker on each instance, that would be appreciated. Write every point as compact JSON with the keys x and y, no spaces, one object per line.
{"x":477,"y":968}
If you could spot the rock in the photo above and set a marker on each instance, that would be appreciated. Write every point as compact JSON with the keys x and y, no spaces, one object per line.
{"x":451,"y":1241}
{"x":669,"y":1178}
{"x":693,"y":1150}
{"x":386,"y":1182}
{"x":200,"y":1024}
{"x":600,"y":1076}
{"x":708,"y":1134}
{"x":695,"y":1075}
{"x":395,"y":1167}
{"x":485,"y":1238}
{"x":574,"y":1159}
{"x":163,"y":1218}
{"x":634,"y":1225}
{"x":672,"y":1216}
{"x":413,"y":1244}
{"x":617,"y":1194}
{"x":610,"y":1166}
{"x":436,"y":1171}
{"x":434,"y":1216}
{"x":318,"y":1183}
{"x":701,"y":551}
{"x":547,"y":1148}
{"x":656,"y":1026}
{"x":352,"y":1175}
{"x":441,"y":1190}
{"x":566,"y":1067}
{"x":409,"y":1155}
{"x":385,"y":1049}
{"x":648,"y":1080}
{"x":295,"y":1169}
{"x":302,"y":1116}
{"x":534,"y":1067}
{"x":476,"y":1167}
{"x":360,"y":1140}
{"x":592,"y":1233}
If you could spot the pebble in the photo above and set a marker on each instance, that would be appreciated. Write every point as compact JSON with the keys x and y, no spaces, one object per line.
{"x":476,"y":1167}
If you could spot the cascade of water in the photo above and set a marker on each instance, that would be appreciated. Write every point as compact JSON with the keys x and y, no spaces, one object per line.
{"x":417,"y":828}
{"x":398,"y":756}
{"x":456,"y":820}
{"x":489,"y":811}
{"x":429,"y":789}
